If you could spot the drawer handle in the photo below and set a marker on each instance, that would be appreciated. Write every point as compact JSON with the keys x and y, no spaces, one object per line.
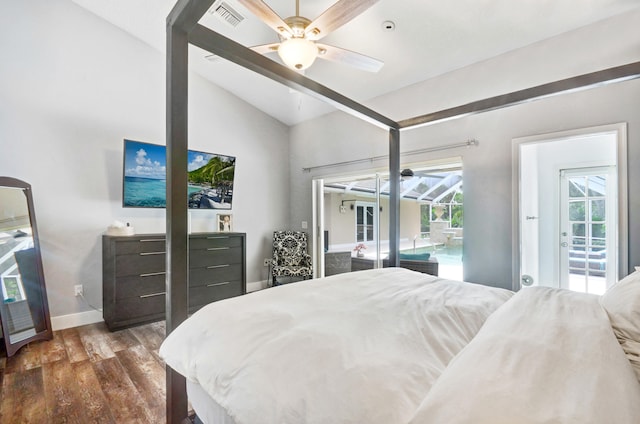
{"x":217,"y":248}
{"x":151,"y":274}
{"x":151,"y":240}
{"x":219,"y":284}
{"x":151,"y":253}
{"x":218,"y":266}
{"x":153,"y":295}
{"x":217,"y":238}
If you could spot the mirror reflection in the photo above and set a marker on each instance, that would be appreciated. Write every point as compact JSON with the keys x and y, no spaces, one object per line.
{"x":24,"y":309}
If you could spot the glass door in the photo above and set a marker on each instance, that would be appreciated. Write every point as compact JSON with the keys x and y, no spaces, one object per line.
{"x":366,"y":225}
{"x":588,"y":226}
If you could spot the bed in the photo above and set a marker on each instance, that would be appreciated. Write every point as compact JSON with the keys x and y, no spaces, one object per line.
{"x":396,"y":346}
{"x":184,"y":30}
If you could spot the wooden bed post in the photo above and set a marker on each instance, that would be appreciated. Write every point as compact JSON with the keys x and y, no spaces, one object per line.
{"x":394,"y":196}
{"x":180,"y":21}
{"x":176,"y":219}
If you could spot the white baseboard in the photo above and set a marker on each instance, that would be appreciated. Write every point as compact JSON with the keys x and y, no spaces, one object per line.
{"x":90,"y":317}
{"x":75,"y":320}
{"x":257,"y":285}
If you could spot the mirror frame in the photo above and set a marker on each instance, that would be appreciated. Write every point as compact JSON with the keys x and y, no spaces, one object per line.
{"x":47,"y":333}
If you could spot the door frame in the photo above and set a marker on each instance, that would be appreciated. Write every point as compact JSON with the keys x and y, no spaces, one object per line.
{"x":620,"y":131}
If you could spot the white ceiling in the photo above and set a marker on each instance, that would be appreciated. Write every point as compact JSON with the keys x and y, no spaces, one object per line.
{"x":430,"y":39}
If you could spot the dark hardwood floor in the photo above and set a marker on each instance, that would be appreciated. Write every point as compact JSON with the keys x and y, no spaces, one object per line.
{"x":86,"y":375}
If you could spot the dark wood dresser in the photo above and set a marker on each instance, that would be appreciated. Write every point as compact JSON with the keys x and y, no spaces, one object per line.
{"x":133,"y":274}
{"x":429,"y":266}
{"x":336,"y":263}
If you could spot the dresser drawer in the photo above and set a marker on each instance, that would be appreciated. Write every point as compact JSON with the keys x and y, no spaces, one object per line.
{"x":202,"y":295}
{"x":136,"y":286}
{"x":143,"y":245}
{"x":140,"y":264}
{"x":216,"y":274}
{"x":140,"y":309}
{"x":213,"y":241}
{"x":214,"y":256}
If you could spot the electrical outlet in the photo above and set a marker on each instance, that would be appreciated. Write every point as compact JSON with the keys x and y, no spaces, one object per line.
{"x":267,"y":262}
{"x":78,"y":290}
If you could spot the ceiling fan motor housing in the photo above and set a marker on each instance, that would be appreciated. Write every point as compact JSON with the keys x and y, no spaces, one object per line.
{"x":295,"y":49}
{"x":298,"y":24}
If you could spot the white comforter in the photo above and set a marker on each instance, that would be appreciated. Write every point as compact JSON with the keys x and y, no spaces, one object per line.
{"x":548,"y":356}
{"x":358,"y":348}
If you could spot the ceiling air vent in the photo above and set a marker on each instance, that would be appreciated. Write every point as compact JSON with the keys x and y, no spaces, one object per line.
{"x":227,"y":13}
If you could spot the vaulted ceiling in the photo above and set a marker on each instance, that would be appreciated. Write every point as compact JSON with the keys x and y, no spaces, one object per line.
{"x":430,"y":38}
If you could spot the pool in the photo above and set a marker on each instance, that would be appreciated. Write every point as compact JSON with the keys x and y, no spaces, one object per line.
{"x":446,"y":256}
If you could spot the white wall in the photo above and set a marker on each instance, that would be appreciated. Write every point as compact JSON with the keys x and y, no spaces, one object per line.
{"x":72,"y":87}
{"x":487,"y":168}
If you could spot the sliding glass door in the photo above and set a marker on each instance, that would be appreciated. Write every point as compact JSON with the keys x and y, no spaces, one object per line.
{"x":352,"y":217}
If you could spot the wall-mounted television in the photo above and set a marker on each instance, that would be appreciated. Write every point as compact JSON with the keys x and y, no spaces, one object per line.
{"x":144,"y":182}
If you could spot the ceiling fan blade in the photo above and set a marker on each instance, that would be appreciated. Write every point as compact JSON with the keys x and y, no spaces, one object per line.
{"x":266,"y":48}
{"x":337,"y":15}
{"x":347,"y":57}
{"x":268,"y":16}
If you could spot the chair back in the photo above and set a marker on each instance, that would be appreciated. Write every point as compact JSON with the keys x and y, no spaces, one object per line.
{"x":289,"y":247}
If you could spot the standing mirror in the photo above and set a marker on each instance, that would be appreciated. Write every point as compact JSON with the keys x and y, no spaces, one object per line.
{"x":24,"y":309}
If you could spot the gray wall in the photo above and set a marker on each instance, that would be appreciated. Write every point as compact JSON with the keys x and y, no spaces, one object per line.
{"x":72,"y":87}
{"x":487,"y":168}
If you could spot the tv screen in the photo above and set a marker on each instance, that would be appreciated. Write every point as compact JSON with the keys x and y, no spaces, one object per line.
{"x":210,"y":177}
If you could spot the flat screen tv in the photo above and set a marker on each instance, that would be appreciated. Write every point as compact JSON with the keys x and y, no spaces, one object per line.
{"x":210,"y":177}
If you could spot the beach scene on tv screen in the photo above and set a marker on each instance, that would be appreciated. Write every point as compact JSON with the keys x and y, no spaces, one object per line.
{"x":210,"y":177}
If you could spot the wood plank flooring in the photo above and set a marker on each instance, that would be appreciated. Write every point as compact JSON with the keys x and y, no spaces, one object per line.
{"x":86,"y":375}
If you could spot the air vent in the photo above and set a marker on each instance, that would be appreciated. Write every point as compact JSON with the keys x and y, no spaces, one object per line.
{"x":227,"y":13}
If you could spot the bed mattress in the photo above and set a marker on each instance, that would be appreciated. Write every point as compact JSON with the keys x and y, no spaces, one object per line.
{"x":207,"y":410}
{"x":361,"y":347}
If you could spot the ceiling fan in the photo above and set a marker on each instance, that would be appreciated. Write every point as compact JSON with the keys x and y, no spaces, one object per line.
{"x":298,"y":47}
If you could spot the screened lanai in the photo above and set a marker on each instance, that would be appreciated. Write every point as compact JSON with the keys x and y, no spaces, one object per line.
{"x":429,"y":187}
{"x":431,"y":208}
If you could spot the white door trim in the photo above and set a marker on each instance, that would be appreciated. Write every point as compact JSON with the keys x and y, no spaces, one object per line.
{"x":620,"y":130}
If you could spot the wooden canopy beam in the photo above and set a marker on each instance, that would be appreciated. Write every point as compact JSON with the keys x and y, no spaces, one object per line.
{"x":578,"y":83}
{"x":236,"y":53}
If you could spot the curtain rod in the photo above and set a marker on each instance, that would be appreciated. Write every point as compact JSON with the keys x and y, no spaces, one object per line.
{"x":468,"y":143}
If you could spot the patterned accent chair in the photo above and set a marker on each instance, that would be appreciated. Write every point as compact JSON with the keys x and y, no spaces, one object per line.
{"x":290,"y":257}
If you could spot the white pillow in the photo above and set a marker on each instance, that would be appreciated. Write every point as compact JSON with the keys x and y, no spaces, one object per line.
{"x":622,"y":303}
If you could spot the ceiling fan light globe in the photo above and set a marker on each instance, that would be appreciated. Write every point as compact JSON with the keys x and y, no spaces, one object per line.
{"x":298,"y":53}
